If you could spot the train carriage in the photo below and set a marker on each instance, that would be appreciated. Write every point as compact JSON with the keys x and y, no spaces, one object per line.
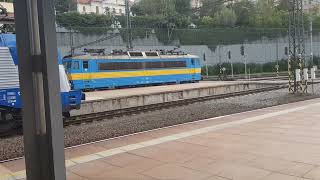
{"x":131,"y":69}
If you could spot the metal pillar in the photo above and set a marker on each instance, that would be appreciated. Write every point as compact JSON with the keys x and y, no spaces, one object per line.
{"x":40,"y":88}
{"x":311,"y":39}
{"x":129,"y":30}
{"x":296,"y":47}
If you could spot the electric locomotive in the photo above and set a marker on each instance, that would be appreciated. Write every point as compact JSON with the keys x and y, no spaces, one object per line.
{"x":96,"y":70}
{"x":10,"y":95}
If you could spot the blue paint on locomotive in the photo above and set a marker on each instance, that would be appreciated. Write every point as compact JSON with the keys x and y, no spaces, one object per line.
{"x":10,"y":98}
{"x":75,"y":67}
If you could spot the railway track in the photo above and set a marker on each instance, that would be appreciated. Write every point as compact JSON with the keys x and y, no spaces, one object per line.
{"x":88,"y":118}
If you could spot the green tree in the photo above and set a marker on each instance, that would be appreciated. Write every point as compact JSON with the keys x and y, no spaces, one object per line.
{"x":269,"y":16}
{"x":63,"y":6}
{"x":210,"y":7}
{"x":154,"y":7}
{"x":183,"y":7}
{"x":226,"y":17}
{"x":207,"y":21}
{"x":244,"y":10}
{"x":74,"y":19}
{"x":283,"y":5}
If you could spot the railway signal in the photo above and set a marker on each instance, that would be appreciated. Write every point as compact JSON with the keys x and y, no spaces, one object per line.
{"x":242,"y":50}
{"x":229,"y":57}
{"x":286,"y":51}
{"x":206,"y":64}
{"x":245,"y":60}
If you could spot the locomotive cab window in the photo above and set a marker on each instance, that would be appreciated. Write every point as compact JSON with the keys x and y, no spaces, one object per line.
{"x":67,"y":65}
{"x":192,"y":61}
{"x":75,"y":65}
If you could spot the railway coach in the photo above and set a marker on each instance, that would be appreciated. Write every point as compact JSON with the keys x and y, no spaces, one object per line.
{"x":10,"y":96}
{"x":130,"y":69}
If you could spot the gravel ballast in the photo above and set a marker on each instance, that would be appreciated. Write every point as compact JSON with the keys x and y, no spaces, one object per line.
{"x":80,"y":134}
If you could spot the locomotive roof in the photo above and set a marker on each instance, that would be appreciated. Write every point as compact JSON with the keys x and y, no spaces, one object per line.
{"x":126,"y":57}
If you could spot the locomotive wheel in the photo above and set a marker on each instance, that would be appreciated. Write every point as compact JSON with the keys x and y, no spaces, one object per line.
{"x":7,"y":123}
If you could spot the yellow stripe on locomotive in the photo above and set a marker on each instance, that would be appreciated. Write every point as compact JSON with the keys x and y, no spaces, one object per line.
{"x":123,"y":74}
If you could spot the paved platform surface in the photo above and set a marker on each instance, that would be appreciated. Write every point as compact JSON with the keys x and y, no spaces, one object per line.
{"x":116,"y":93}
{"x":277,"y":143}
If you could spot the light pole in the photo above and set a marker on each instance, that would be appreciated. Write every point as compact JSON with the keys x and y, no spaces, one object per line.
{"x":311,"y":38}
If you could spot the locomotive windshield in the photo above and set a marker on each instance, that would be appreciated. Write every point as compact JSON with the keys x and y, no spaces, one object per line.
{"x":67,"y":65}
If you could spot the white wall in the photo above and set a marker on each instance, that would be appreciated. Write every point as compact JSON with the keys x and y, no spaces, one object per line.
{"x":118,"y":5}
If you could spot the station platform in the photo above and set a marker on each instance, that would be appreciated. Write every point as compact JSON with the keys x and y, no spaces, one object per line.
{"x":276,"y":143}
{"x":108,"y":100}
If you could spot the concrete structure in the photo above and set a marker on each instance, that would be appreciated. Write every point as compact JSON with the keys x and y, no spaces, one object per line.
{"x":112,"y":7}
{"x":108,"y":100}
{"x":39,"y":86}
{"x":277,"y":143}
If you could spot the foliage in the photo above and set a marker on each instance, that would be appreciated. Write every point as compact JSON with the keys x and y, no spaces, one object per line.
{"x":74,"y":19}
{"x":253,"y":68}
{"x":226,"y":17}
{"x":260,"y":13}
{"x":154,"y":7}
{"x":173,"y":14}
{"x":168,"y":13}
{"x":244,"y":10}
{"x":207,"y":21}
{"x":63,"y":6}
{"x":210,"y":7}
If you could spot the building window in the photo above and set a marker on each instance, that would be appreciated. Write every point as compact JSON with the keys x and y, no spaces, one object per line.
{"x":114,"y":10}
{"x":120,"y":11}
{"x":84,"y":9}
{"x":97,"y":9}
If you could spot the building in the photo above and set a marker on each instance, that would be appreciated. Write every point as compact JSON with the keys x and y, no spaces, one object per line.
{"x":9,"y":8}
{"x":112,"y":7}
{"x":195,"y":4}
{"x":311,"y":6}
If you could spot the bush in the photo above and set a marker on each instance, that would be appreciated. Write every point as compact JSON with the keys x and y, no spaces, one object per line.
{"x":76,"y":20}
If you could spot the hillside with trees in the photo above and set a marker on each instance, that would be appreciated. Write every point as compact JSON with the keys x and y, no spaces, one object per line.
{"x":179,"y":14}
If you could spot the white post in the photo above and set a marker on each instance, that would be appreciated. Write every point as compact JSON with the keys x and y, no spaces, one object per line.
{"x":232,"y":75}
{"x":313,"y":77}
{"x":207,"y":71}
{"x":245,"y":67}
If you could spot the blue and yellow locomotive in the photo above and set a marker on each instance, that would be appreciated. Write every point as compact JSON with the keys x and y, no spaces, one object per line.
{"x":127,"y":69}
